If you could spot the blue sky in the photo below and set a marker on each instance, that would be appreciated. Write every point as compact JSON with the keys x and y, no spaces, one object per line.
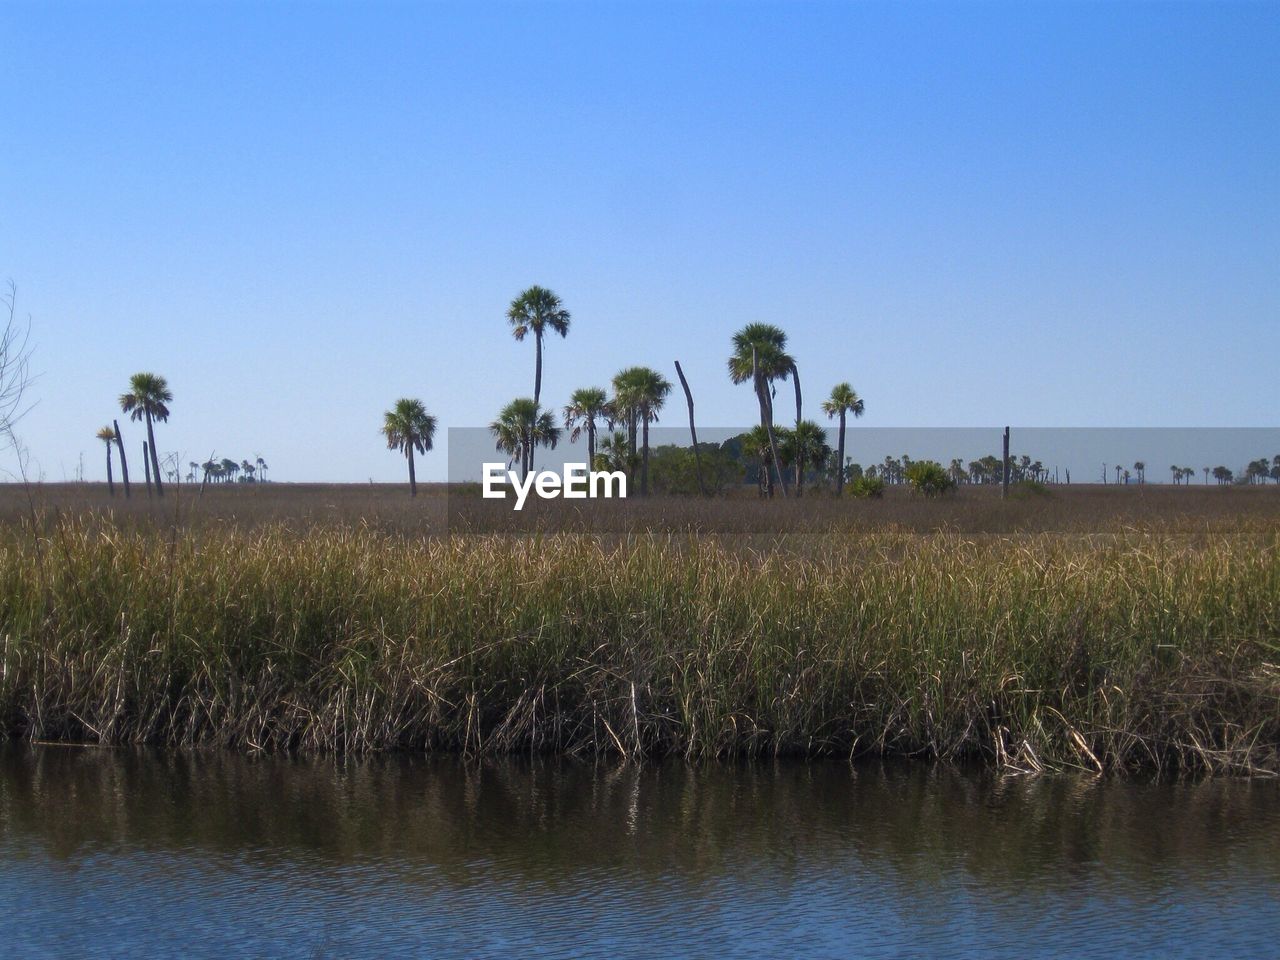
{"x":978,"y":214}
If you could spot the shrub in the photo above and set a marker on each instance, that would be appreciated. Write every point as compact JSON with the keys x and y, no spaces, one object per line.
{"x":866,"y":487}
{"x":929,"y":478}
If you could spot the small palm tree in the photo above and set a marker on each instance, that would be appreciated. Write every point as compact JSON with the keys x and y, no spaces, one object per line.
{"x":148,"y":399}
{"x":584,"y":408}
{"x":759,"y":444}
{"x":520,"y":428}
{"x":108,"y":436}
{"x":805,"y":447}
{"x":639,"y":394}
{"x":537,"y":310}
{"x":408,"y":427}
{"x":843,"y":401}
{"x":615,"y":454}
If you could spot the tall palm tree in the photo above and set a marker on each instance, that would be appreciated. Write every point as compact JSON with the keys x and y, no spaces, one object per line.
{"x":520,"y":428}
{"x":760,"y":356}
{"x":148,"y":399}
{"x":584,"y":408}
{"x":639,"y":394}
{"x":537,"y":310}
{"x":843,"y":401}
{"x":408,"y":427}
{"x":262,"y":469}
{"x":108,"y":436}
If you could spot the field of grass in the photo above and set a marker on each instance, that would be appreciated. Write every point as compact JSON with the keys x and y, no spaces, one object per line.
{"x":1120,"y":629}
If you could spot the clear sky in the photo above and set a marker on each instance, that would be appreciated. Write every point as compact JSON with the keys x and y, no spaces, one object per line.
{"x":977,"y":214}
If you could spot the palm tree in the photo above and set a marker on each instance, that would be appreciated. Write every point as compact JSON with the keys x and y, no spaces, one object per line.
{"x":536,"y":311}
{"x":584,"y":408}
{"x":262,"y":469}
{"x":639,"y":393}
{"x":759,"y":443}
{"x":1140,"y":468}
{"x":615,"y":454}
{"x":760,"y":355}
{"x":148,"y":399}
{"x":108,"y":436}
{"x":408,"y":427}
{"x":520,"y":428}
{"x":843,"y":401}
{"x":804,"y":447}
{"x":229,"y":469}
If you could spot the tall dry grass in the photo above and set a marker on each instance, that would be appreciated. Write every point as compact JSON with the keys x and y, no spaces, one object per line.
{"x":1149,"y":645}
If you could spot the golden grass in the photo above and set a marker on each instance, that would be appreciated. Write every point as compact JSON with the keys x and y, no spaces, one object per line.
{"x":1092,"y":629}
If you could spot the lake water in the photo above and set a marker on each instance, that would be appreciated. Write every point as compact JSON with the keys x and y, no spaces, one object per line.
{"x":120,"y":853}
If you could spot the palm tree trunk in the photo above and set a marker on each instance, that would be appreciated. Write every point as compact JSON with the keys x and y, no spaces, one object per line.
{"x":766,"y":418}
{"x":591,"y":444}
{"x":155,"y":460}
{"x":767,"y":406}
{"x":146,"y":466}
{"x":644,"y":467}
{"x":413,"y":479}
{"x":537,"y":371}
{"x":111,"y":482}
{"x":840,"y":461}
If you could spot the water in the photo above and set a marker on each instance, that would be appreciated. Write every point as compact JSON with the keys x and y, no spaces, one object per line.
{"x":108,"y":853}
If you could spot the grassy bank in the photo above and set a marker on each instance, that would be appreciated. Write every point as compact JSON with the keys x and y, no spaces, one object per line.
{"x":1149,"y":646}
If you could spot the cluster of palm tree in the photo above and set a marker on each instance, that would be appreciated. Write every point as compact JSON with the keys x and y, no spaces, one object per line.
{"x":227,"y":470}
{"x":616,"y":422}
{"x":1260,"y":470}
{"x":147,"y":399}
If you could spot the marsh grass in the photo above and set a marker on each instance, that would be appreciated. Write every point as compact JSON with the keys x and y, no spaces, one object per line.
{"x":1111,"y":645}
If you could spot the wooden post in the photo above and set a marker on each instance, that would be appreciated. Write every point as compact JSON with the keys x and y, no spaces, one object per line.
{"x":693,"y":431}
{"x":124,"y":461}
{"x":1004,"y":490}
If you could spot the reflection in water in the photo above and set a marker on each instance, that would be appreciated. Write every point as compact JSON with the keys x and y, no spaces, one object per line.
{"x":119,"y":853}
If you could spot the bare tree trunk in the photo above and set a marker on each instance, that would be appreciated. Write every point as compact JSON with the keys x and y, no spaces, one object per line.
{"x":413,"y":479}
{"x":795,"y":376}
{"x":693,"y":431}
{"x":146,"y":466}
{"x":1004,"y":481}
{"x":155,"y":460}
{"x":124,"y":462}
